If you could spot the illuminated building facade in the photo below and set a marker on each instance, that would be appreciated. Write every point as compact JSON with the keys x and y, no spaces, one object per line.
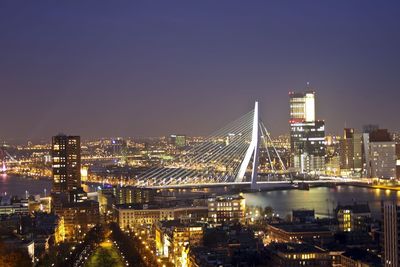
{"x":59,"y":232}
{"x":128,"y":195}
{"x":308,"y":146}
{"x":383,"y":160}
{"x":307,"y":135}
{"x":298,"y":232}
{"x":351,"y":158}
{"x":66,"y":154}
{"x":226,"y":209}
{"x":178,"y":140}
{"x":115,"y":195}
{"x":353,"y":217}
{"x":78,"y":217}
{"x":133,"y":215}
{"x":397,"y":160}
{"x":13,"y":205}
{"x":295,"y":254}
{"x":302,"y":106}
{"x":391,"y":227}
{"x":173,"y":239}
{"x":382,"y":155}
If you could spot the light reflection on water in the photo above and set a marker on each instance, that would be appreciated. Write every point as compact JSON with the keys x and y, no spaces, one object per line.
{"x":322,"y":199}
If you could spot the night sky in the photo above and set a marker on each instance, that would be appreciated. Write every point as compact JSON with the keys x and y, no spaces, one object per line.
{"x":151,"y":68}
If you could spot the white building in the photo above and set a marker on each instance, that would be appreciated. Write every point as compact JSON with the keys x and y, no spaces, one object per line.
{"x":133,"y":215}
{"x":382,"y":160}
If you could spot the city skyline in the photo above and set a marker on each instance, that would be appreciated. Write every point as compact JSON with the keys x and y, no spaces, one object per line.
{"x":155,"y":69}
{"x":190,"y":134}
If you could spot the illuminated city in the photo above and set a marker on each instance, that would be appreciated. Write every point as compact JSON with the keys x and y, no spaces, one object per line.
{"x":199,"y":134}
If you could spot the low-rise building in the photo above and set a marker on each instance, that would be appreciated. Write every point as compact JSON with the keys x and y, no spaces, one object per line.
{"x":23,"y":245}
{"x":224,"y":209}
{"x":174,"y":239}
{"x":303,"y":216}
{"x":292,"y":232}
{"x":356,"y":257}
{"x":78,"y":217}
{"x":228,"y":245}
{"x":13,"y":205}
{"x":133,"y":215}
{"x":295,"y":254}
{"x":353,"y":217}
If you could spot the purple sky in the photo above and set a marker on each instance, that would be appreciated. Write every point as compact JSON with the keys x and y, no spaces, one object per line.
{"x":150,"y":68}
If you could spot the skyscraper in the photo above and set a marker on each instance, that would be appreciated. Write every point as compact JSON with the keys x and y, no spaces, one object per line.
{"x":302,"y":106}
{"x":351,"y":153}
{"x":178,"y":140}
{"x":69,"y":199}
{"x":66,"y":155}
{"x":391,"y":217}
{"x":307,"y":135}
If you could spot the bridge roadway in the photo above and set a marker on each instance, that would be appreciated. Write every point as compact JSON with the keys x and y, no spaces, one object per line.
{"x":270,"y":184}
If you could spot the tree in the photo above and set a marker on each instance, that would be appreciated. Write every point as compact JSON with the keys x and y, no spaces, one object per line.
{"x":13,"y":257}
{"x":268,"y":211}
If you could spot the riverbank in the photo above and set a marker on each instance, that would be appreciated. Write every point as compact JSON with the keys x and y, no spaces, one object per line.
{"x":380,"y":187}
{"x":323,"y":200}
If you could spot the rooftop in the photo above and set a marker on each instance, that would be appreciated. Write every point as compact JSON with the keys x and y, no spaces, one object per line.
{"x":355,"y":207}
{"x":300,"y":228}
{"x":294,"y":248}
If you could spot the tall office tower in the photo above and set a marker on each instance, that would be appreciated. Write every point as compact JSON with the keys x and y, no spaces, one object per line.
{"x":302,"y":106}
{"x":382,"y":155}
{"x":178,"y":140}
{"x":397,"y":160}
{"x":391,"y":217}
{"x":347,"y":150}
{"x":351,"y":153}
{"x":66,"y":154}
{"x":307,"y":135}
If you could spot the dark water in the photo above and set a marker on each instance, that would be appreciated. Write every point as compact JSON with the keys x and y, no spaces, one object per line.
{"x":15,"y":185}
{"x":322,"y":199}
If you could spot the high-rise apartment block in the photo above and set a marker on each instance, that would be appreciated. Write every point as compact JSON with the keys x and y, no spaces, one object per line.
{"x":307,"y":135}
{"x":391,"y":224}
{"x":69,"y":200}
{"x":351,"y":156}
{"x":381,"y":155}
{"x":66,"y":154}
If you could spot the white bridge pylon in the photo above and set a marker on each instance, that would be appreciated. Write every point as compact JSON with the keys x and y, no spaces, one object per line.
{"x":224,"y":157}
{"x":252,"y":151}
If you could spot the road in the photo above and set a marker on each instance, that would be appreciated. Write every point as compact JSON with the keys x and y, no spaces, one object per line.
{"x":106,"y":254}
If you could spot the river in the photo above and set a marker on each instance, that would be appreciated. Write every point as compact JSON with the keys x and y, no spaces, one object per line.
{"x":322,"y":199}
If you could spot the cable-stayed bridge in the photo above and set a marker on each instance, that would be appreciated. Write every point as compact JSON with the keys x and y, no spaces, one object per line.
{"x":228,"y":156}
{"x":5,"y":158}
